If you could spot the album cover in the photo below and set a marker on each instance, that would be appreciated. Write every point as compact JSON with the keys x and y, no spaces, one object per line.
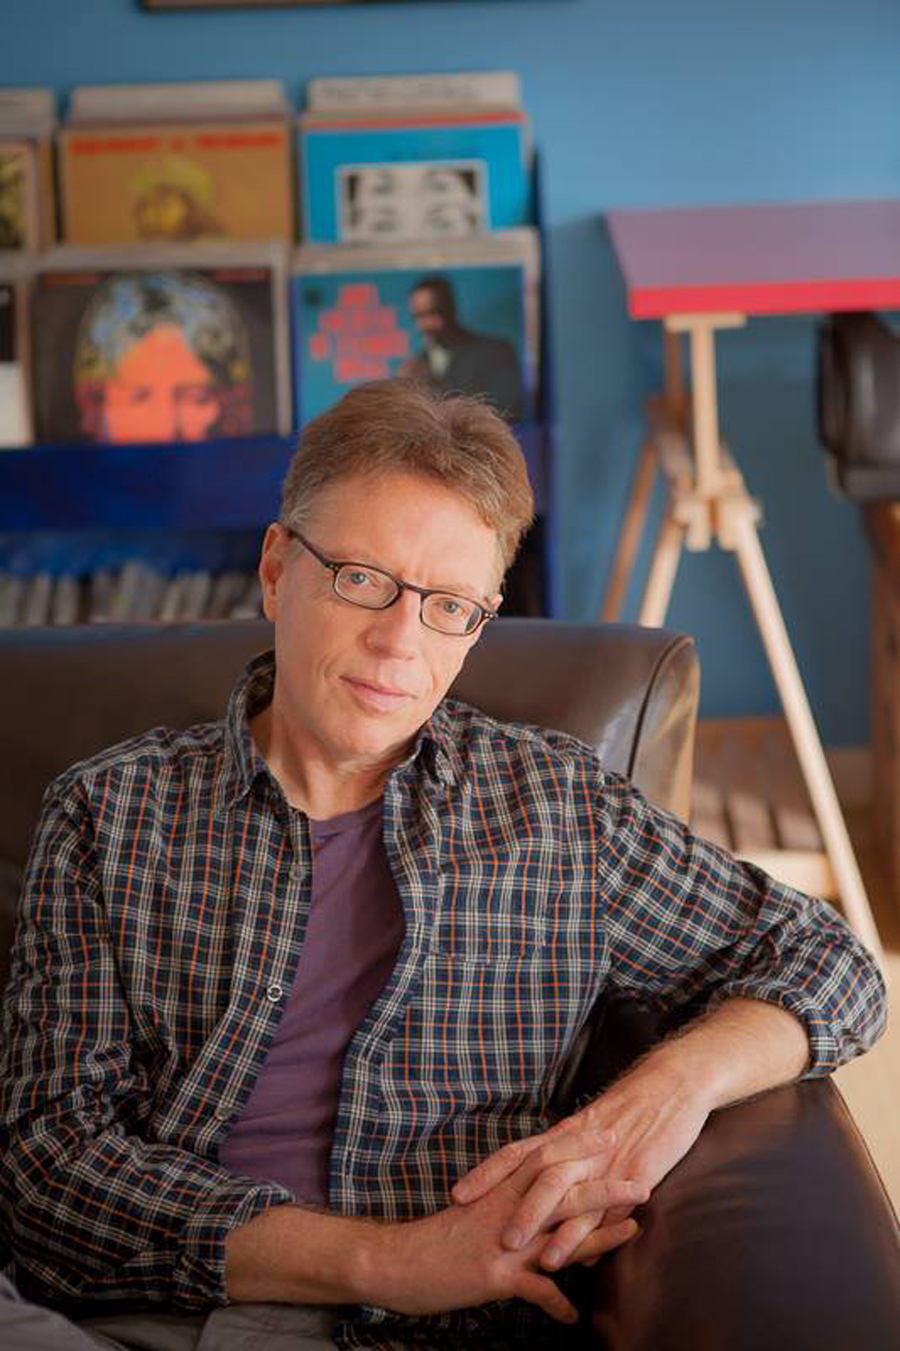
{"x":8,"y":336}
{"x":496,"y":141}
{"x":29,"y":116}
{"x":462,"y":318}
{"x":341,"y":93}
{"x":195,"y":99}
{"x":19,"y":210}
{"x":177,"y":181}
{"x":15,"y":414}
{"x":163,"y":346}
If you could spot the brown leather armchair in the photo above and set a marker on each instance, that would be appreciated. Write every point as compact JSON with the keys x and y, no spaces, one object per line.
{"x":775,"y":1230}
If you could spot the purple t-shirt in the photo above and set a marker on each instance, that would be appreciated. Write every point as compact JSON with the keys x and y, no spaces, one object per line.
{"x":353,"y":934}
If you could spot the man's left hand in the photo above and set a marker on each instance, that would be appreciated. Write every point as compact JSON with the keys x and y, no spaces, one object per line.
{"x":637,"y":1130}
{"x":641,"y":1126}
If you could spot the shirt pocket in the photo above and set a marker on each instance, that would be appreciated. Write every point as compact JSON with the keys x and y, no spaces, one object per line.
{"x":493,"y":1032}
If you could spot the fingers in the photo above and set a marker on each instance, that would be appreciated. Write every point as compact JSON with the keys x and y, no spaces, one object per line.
{"x":585,"y":1240}
{"x":493,"y":1170}
{"x":620,"y":1212}
{"x":613,"y":1198}
{"x":564,"y":1191}
{"x":546,"y":1294}
{"x":571,"y":1138}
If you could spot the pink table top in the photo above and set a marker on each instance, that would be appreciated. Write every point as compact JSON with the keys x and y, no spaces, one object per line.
{"x":784,"y":259}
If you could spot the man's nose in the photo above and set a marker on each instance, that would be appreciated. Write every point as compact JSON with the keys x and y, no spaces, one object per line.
{"x":398,"y":629}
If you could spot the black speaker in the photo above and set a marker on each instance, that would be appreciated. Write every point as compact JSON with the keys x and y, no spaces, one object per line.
{"x":859,"y":404}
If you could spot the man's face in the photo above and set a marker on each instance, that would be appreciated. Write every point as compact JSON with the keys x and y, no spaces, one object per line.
{"x":427,"y":314}
{"x":353,"y":686}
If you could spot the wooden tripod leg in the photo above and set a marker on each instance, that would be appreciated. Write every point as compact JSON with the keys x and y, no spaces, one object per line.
{"x":663,"y":567}
{"x":764,"y":603}
{"x":633,"y":526}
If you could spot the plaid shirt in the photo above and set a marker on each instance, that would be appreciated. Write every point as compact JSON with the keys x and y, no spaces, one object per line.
{"x":164,"y":913}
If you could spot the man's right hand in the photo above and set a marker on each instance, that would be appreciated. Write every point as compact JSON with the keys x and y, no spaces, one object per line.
{"x":455,"y":1259}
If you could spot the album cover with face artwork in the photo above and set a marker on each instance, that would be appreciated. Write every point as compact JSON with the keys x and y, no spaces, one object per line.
{"x":426,"y":174}
{"x":165,"y":348}
{"x":172,"y":181}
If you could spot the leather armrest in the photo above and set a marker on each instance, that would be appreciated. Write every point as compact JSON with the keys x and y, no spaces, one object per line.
{"x":774,"y":1231}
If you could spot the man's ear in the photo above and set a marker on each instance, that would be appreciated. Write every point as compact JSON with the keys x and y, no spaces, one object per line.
{"x":271,"y":567}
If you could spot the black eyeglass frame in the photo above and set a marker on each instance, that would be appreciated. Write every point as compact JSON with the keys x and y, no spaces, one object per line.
{"x":335,"y":566}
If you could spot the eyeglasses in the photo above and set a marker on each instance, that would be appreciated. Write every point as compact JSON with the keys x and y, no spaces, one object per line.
{"x":373,"y":589}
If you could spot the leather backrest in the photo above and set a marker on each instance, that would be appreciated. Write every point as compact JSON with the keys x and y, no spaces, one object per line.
{"x":66,"y":693}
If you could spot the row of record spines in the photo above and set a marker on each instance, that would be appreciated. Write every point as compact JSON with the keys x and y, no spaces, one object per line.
{"x":135,"y":593}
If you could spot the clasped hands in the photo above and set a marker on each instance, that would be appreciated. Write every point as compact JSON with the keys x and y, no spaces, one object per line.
{"x":559,"y":1198}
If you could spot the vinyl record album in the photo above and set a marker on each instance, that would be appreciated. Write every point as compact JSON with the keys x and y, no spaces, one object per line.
{"x":156,"y":352}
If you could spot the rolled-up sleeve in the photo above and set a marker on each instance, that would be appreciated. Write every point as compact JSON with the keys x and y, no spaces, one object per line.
{"x":91,"y":1207}
{"x":687,"y":923}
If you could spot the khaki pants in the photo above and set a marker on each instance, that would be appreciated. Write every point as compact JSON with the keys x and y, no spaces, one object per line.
{"x":237,"y":1327}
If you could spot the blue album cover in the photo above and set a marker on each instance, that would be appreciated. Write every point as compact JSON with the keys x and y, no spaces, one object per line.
{"x":497,"y":148}
{"x":456,"y":328}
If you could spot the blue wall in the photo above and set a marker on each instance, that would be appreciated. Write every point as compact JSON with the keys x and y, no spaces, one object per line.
{"x":644,"y":103}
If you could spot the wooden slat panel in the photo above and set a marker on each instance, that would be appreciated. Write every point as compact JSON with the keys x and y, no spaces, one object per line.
{"x":795,"y":824}
{"x":749,"y":796}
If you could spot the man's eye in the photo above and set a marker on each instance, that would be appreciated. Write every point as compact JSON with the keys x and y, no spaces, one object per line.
{"x":359,"y":579}
{"x":454,"y":607}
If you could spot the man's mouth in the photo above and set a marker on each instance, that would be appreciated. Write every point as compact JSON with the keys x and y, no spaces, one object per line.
{"x":372,"y":694}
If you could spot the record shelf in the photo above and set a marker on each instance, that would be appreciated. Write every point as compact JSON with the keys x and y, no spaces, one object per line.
{"x":61,"y":504}
{"x":49,"y":493}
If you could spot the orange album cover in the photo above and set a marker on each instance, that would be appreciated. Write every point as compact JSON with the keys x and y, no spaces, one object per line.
{"x":177,"y":181}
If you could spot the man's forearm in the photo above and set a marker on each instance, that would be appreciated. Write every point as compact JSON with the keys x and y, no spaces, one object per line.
{"x":743,"y":1047}
{"x":294,"y":1256}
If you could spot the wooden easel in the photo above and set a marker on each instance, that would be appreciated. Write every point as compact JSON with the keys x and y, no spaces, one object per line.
{"x":707,"y":503}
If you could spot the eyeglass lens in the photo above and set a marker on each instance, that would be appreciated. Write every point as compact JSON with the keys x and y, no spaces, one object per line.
{"x":376,"y":590}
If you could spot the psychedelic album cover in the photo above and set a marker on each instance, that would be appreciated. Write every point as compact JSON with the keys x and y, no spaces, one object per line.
{"x":496,"y":142}
{"x":154,"y":354}
{"x":393,"y":203}
{"x":458,"y":326}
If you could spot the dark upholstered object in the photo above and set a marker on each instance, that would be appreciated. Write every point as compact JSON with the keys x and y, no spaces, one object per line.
{"x":69,"y":692}
{"x":774,"y":1232}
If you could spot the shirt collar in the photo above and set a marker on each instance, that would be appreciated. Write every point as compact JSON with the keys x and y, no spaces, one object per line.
{"x":439,"y":733}
{"x":242,"y":761}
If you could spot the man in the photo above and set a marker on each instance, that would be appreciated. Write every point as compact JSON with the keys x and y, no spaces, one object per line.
{"x":291,"y":991}
{"x":457,"y":360}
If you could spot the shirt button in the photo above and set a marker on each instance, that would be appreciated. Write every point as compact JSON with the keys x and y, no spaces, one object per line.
{"x":223,"y":1111}
{"x":274,"y":993}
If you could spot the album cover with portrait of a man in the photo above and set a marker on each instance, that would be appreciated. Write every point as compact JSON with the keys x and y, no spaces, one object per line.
{"x":460,"y":318}
{"x":161,"y":347}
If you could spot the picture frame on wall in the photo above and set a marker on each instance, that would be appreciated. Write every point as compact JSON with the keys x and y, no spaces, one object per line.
{"x":170,"y":5}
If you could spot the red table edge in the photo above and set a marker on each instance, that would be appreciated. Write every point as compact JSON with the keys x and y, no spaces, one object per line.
{"x":803,"y":297}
